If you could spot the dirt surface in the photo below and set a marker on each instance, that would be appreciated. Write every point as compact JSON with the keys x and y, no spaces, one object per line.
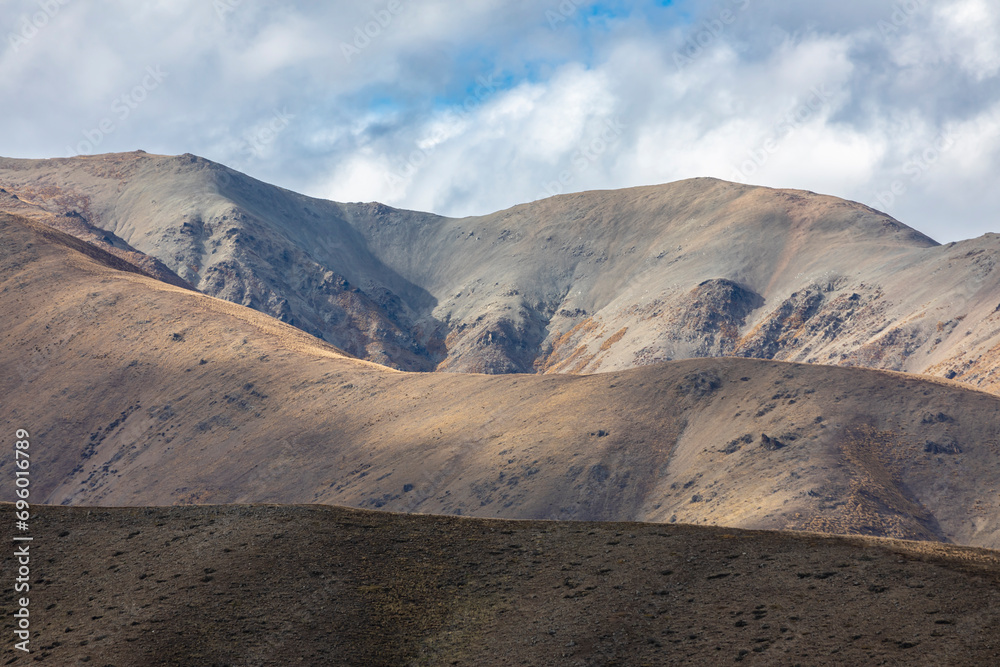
{"x":141,"y":393}
{"x":266,"y":585}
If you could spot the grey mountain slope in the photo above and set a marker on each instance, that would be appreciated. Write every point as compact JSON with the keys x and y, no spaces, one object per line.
{"x":71,"y":222}
{"x":597,"y":281}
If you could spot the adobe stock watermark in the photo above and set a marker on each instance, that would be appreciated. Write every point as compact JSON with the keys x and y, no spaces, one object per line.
{"x":709,"y":32}
{"x":32,"y":24}
{"x":818,"y":98}
{"x":364,"y":34}
{"x":914,"y":169}
{"x":901,"y":17}
{"x":122,"y":107}
{"x":264,"y":135}
{"x":585,"y":156}
{"x":22,"y":552}
{"x":223,"y":8}
{"x":419,"y":156}
{"x":563,"y":12}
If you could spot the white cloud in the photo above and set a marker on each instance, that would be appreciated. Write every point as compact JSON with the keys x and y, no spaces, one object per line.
{"x":971,"y":33}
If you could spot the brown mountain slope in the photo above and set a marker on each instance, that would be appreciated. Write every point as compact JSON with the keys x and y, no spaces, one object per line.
{"x":261,"y":586}
{"x":137,"y":393}
{"x":597,"y":281}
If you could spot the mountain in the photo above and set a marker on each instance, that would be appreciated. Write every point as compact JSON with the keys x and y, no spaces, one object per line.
{"x":265,"y":585}
{"x":137,"y":392}
{"x":597,"y":281}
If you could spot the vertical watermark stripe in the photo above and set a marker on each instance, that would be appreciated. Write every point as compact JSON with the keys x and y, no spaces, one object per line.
{"x":22,"y":550}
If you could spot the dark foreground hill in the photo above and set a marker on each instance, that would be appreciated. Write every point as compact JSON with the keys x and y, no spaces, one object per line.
{"x":141,"y":393}
{"x":265,"y":585}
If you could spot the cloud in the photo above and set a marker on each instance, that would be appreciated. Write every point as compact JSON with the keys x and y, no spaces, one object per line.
{"x":971,"y":35}
{"x":465,"y":108}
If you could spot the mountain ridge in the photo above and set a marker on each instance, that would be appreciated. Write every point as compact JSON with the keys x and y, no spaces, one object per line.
{"x":576,"y":283}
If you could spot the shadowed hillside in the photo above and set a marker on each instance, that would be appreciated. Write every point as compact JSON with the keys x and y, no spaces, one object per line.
{"x":328,"y":586}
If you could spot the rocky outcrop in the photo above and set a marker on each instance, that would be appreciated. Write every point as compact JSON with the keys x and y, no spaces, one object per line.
{"x":712,"y":316}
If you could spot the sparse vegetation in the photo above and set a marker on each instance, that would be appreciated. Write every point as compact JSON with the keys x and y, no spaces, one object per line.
{"x":247,"y":585}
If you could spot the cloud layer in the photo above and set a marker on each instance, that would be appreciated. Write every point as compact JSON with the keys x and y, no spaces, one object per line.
{"x":465,"y":108}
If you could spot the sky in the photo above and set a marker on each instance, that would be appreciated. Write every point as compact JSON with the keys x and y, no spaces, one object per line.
{"x":464,"y":108}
